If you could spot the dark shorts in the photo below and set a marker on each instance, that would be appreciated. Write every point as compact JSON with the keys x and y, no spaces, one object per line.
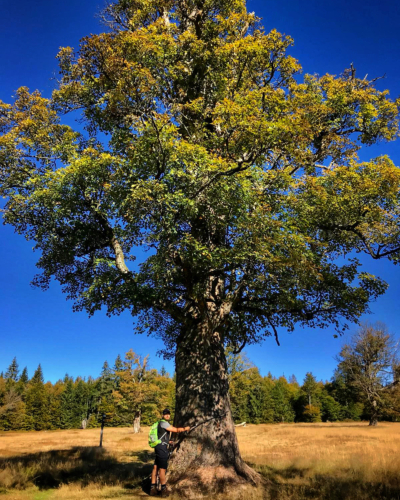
{"x":162,"y":456}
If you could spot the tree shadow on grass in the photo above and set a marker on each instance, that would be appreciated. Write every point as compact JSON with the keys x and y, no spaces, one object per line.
{"x":78,"y":465}
{"x":85,"y":466}
{"x":326,"y":425}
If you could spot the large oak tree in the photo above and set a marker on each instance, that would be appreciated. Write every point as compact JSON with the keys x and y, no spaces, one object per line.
{"x":204,"y":146}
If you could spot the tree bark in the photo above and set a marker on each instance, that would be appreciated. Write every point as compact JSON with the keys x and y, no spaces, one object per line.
{"x":208,"y":457}
{"x":374,"y":416}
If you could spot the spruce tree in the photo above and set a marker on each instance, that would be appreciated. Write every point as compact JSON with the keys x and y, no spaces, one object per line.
{"x":308,"y":403}
{"x":67,"y":405}
{"x":12,"y":371}
{"x":22,"y":381}
{"x":105,"y":388}
{"x":310,"y":387}
{"x":105,"y":382}
{"x":118,"y":366}
{"x":55,"y":404}
{"x":37,"y":402}
{"x":38,"y":376}
{"x":24,"y":376}
{"x":282,"y":400}
{"x":80,"y":403}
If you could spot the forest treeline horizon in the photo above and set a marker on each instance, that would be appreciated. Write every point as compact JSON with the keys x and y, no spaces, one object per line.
{"x":130,"y":385}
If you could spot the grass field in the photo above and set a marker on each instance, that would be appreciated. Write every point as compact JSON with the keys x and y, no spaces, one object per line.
{"x":300,"y":461}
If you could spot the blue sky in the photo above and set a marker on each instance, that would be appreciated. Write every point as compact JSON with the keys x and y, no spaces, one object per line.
{"x":40,"y":326}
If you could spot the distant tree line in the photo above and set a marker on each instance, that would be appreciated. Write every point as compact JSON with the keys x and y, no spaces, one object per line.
{"x":365,"y":386}
{"x":119,"y":393}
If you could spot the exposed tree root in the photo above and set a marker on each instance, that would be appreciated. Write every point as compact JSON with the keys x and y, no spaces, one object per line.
{"x":207,"y":481}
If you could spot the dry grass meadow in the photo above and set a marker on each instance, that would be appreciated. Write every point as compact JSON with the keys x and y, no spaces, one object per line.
{"x":345,"y":461}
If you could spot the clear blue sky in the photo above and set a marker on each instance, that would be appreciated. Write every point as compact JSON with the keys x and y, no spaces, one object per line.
{"x":40,"y":326}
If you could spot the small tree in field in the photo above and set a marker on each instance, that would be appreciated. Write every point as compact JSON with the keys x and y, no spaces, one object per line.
{"x":140,"y":391}
{"x":204,"y":146}
{"x":370,"y":364}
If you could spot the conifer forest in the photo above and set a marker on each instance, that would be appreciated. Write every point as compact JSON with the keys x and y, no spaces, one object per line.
{"x":130,"y":386}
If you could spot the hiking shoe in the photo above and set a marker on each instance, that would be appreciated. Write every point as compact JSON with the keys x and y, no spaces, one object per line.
{"x":153,"y":491}
{"x":165,"y":493}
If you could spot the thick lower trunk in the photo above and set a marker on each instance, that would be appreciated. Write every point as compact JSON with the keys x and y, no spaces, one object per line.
{"x":207,"y":458}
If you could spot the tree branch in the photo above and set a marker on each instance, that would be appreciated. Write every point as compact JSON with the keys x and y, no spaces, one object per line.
{"x":274,"y":330}
{"x":240,"y":349}
{"x":119,"y":256}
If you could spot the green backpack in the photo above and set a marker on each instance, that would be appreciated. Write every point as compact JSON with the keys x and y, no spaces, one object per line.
{"x":153,"y":435}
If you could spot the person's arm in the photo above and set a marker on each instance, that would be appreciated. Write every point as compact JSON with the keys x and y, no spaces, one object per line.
{"x":177,"y":429}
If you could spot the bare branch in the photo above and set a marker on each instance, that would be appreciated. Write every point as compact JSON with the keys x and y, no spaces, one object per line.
{"x":240,"y":349}
{"x":274,"y":330}
{"x":119,"y":256}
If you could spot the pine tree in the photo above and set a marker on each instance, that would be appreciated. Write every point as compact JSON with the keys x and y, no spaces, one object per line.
{"x":106,"y":379}
{"x":310,"y":387}
{"x":12,"y":371}
{"x":24,"y":376}
{"x":257,"y":396}
{"x":282,"y":399}
{"x":37,"y":402}
{"x":67,"y":405}
{"x":105,"y":389}
{"x":118,"y":366}
{"x":93,"y":399}
{"x":80,"y":403}
{"x":55,"y":404}
{"x":38,"y":376}
{"x":308,"y":404}
{"x":22,"y":382}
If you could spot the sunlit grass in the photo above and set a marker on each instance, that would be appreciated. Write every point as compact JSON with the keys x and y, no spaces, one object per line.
{"x":320,"y":461}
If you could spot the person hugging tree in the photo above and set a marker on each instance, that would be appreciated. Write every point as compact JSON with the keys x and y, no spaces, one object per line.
{"x":162,"y":433}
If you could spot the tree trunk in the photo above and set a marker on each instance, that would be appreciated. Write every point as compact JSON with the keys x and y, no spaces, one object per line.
{"x":136,"y":422}
{"x":207,"y":458}
{"x":374,"y":416}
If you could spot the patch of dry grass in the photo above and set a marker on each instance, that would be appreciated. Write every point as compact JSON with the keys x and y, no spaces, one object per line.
{"x":302,"y":461}
{"x":327,"y":461}
{"x":71,"y":465}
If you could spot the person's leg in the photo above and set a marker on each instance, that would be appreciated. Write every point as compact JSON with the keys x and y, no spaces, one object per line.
{"x":162,"y":462}
{"x":163,"y":479}
{"x":154,"y":475}
{"x":153,"y":488}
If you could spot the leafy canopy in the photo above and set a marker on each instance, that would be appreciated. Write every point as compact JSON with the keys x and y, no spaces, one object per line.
{"x":204,"y":146}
